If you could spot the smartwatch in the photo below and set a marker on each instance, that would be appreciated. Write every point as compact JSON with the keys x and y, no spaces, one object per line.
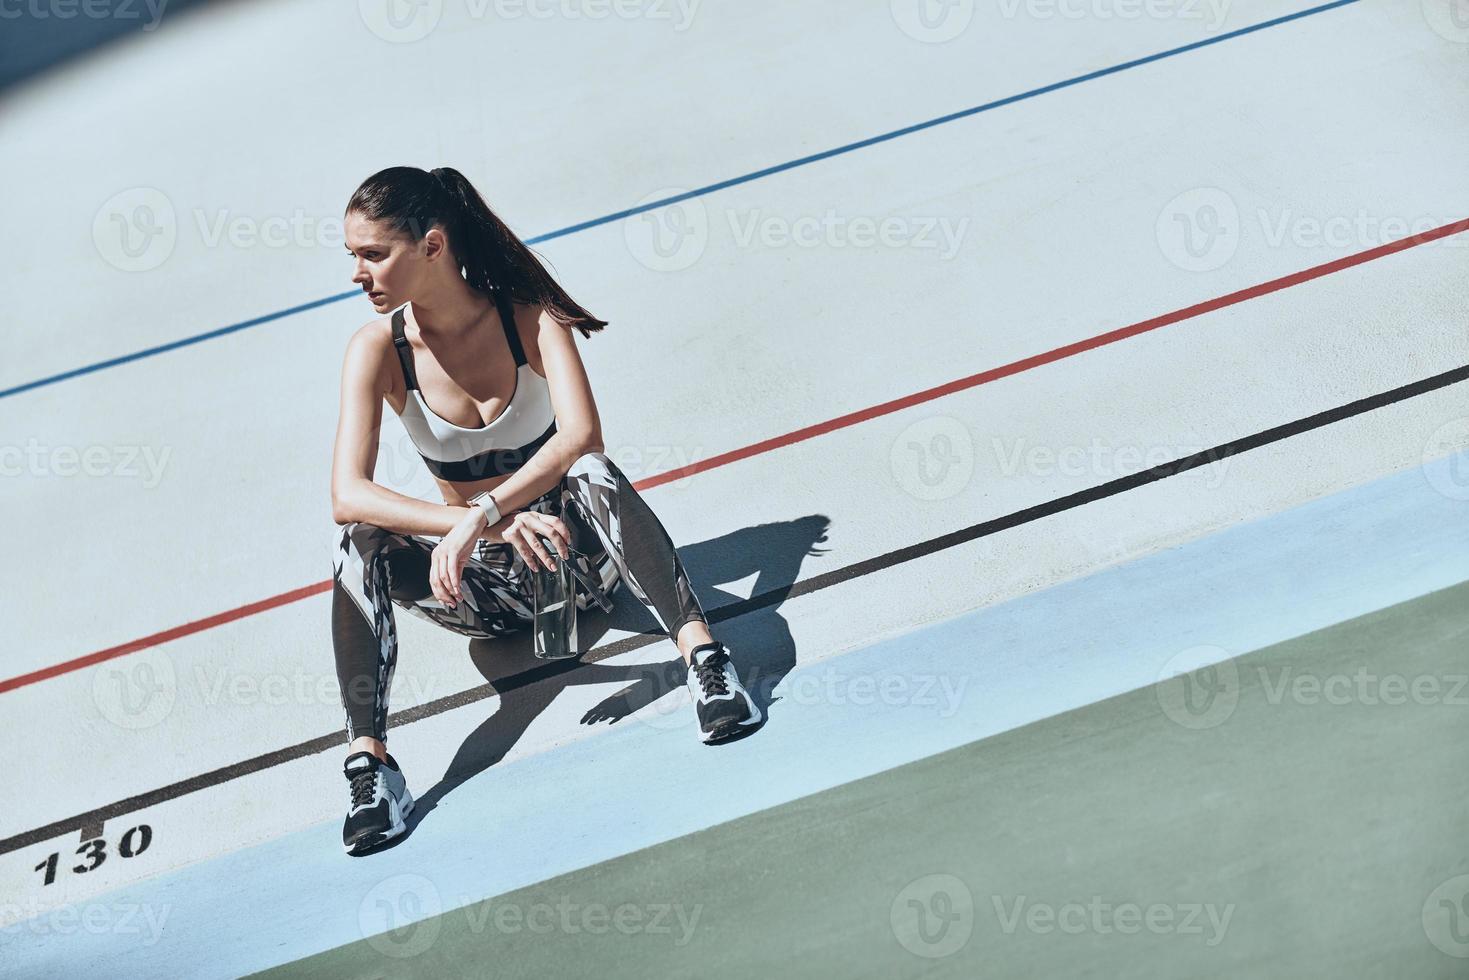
{"x":486,"y":503}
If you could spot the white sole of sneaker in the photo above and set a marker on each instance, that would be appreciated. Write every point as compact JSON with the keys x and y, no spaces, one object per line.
{"x":729,"y":731}
{"x":396,"y":828}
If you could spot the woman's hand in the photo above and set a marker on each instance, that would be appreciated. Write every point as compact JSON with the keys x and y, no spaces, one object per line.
{"x":523,"y":531}
{"x":451,"y":554}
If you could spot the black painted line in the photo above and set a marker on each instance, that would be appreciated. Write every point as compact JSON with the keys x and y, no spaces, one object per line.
{"x":194,"y":784}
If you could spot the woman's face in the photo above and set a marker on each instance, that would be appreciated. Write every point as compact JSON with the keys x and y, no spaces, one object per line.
{"x":384,"y":262}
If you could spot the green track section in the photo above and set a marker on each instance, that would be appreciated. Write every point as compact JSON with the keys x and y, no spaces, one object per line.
{"x":1297,"y":812}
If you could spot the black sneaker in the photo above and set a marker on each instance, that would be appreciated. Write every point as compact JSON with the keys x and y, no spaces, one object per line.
{"x":380,"y":802}
{"x":725,"y":707}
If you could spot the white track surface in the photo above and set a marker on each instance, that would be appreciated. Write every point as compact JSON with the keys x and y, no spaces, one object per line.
{"x":1065,"y":206}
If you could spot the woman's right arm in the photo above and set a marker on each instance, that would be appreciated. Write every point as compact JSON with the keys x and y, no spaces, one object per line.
{"x":355,"y":497}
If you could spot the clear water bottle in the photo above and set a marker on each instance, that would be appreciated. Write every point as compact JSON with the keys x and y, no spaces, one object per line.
{"x":553,"y":597}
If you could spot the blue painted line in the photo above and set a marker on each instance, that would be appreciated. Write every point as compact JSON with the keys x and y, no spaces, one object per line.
{"x":1240,"y":589}
{"x":708,"y":188}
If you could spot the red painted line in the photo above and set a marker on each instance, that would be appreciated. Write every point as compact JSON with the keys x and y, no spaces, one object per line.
{"x":811,"y":431}
{"x":1051,"y":356}
{"x":154,"y":639}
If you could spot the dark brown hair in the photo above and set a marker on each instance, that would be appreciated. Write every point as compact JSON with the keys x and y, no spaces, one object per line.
{"x":490,"y":255}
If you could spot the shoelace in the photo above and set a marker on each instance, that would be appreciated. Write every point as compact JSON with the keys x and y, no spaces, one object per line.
{"x":711,"y":674}
{"x":364,"y":785}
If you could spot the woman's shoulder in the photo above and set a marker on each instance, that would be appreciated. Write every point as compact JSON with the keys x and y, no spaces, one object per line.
{"x":528,"y":319}
{"x":369,"y":350}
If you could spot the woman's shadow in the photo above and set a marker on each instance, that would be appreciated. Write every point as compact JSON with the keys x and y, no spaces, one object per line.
{"x":756,"y":635}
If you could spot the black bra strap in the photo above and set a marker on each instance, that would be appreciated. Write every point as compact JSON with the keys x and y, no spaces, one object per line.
{"x":507,"y":320}
{"x":405,"y":352}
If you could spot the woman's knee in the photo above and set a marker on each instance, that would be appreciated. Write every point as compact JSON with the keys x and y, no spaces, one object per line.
{"x":359,"y":536}
{"x":595,"y":465}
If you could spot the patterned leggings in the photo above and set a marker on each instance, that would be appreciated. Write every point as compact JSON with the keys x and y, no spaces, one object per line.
{"x":615,"y":538}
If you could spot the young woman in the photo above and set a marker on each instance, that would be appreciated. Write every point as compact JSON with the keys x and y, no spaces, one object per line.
{"x":479,"y":362}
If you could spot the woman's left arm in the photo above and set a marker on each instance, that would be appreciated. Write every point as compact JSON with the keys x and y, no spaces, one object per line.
{"x":578,"y":427}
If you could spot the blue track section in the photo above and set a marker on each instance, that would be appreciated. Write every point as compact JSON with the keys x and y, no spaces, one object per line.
{"x":634,"y":785}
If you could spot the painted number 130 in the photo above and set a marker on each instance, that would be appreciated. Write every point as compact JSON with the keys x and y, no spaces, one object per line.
{"x":94,"y":852}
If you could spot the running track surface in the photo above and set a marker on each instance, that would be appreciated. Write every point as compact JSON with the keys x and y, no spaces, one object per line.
{"x":1127,"y":628}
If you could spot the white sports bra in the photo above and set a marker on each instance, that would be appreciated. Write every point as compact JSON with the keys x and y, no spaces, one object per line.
{"x":457,"y":454}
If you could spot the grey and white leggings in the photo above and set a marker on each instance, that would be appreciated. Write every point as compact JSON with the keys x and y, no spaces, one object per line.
{"x":615,"y":538}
